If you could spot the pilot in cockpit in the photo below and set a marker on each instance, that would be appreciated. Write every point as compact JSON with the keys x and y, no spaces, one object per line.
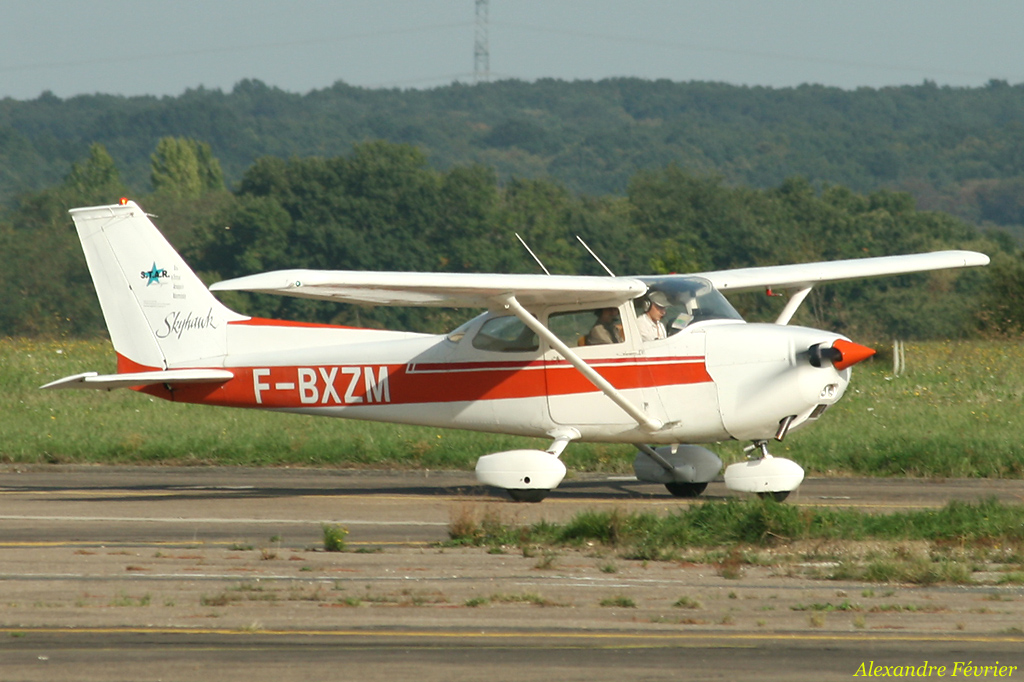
{"x":649,"y":322}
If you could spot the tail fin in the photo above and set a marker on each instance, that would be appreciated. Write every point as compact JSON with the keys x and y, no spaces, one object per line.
{"x":158,"y":312}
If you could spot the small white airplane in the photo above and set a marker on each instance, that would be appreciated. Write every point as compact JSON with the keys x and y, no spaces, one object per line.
{"x":661,"y":362}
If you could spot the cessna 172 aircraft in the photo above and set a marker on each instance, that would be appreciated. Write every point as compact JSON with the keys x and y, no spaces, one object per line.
{"x":662,"y":362}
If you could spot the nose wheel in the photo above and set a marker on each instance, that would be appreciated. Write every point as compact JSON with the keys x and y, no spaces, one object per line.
{"x":778,"y":496}
{"x":765,"y":476}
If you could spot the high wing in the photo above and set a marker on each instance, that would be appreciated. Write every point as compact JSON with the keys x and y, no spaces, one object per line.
{"x":808,"y":274}
{"x":441,"y":289}
{"x":450,"y":289}
{"x":447,"y":289}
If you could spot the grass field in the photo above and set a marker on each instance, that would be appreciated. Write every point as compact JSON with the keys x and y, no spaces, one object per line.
{"x":963,"y":543}
{"x":954,"y":413}
{"x":756,"y":522}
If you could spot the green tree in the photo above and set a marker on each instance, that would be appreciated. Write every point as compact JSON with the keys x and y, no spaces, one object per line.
{"x":185,"y":168}
{"x":45,"y":287}
{"x":93,"y":182}
{"x":1000,"y":311}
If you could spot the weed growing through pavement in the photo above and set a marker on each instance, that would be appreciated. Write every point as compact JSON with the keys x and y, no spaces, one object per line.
{"x":523,"y":598}
{"x":124,"y":599}
{"x":685,"y":602}
{"x":619,"y":601}
{"x":334,"y":537}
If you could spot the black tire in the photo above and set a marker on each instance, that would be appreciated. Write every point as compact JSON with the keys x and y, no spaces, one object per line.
{"x":686,"y":489}
{"x":778,"y":496}
{"x":528,"y":495}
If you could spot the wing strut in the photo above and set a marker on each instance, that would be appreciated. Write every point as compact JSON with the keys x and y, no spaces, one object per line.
{"x":792,"y":304}
{"x":642,"y":418}
{"x":656,"y":456}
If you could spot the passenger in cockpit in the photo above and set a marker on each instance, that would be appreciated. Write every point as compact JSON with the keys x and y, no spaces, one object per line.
{"x":607,"y":329}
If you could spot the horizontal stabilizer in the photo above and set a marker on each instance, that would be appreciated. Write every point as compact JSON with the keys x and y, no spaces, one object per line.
{"x":129,"y":380}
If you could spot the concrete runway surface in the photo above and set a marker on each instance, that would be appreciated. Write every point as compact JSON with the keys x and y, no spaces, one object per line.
{"x":142,"y":573}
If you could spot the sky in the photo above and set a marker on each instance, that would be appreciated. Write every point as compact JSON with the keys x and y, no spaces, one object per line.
{"x":146,"y":47}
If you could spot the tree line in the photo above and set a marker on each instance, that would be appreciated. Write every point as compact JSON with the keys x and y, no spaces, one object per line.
{"x":384,"y":207}
{"x":960,"y":150}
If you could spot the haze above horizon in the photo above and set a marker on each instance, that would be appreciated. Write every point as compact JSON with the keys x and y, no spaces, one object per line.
{"x":123,"y":47}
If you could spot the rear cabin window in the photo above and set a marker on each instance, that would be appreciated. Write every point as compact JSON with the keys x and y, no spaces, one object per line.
{"x":593,"y":327}
{"x":505,"y":335}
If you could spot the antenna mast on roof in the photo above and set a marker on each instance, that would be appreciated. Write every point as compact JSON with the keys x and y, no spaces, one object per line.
{"x":481,"y":51}
{"x":527,"y":247}
{"x":591,"y":252}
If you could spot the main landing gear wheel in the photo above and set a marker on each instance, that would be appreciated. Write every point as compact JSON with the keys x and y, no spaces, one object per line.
{"x":778,"y":496}
{"x":528,"y":495}
{"x":686,"y":489}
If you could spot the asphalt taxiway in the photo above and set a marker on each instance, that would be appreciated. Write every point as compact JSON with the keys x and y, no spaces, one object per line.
{"x":217,"y":573}
{"x":60,"y":503}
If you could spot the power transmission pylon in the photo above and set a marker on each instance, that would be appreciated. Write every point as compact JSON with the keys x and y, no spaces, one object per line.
{"x":481,"y":51}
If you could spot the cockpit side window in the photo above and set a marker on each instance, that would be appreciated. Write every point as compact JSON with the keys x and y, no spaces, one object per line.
{"x":505,"y":335}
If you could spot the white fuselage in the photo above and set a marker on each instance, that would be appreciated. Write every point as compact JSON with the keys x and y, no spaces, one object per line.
{"x":711,"y":381}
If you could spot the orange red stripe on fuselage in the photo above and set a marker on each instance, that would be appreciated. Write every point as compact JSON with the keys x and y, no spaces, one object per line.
{"x":421,"y":383}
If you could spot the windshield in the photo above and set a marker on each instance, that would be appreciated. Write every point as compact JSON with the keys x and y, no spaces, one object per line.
{"x":458,"y":333}
{"x":691,"y":299}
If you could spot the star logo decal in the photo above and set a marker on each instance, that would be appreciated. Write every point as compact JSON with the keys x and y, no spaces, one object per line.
{"x":154,"y":274}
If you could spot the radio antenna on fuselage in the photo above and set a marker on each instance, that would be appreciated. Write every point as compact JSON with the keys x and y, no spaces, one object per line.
{"x":530,"y":251}
{"x":591,"y":252}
